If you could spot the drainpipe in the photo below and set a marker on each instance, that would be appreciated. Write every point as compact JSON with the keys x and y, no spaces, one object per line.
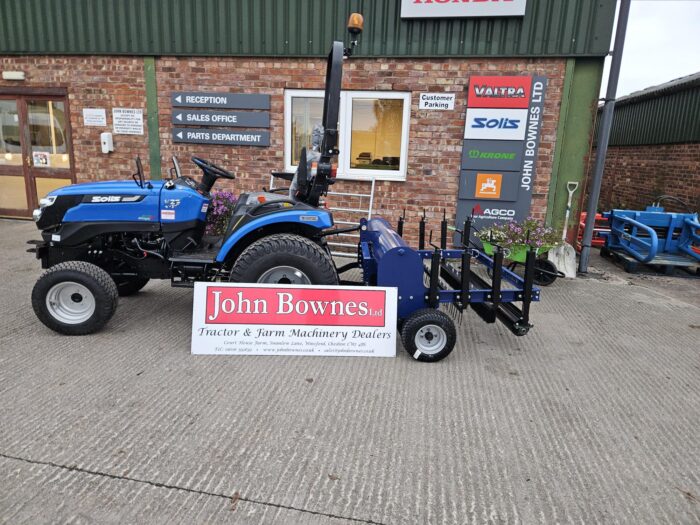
{"x":606,"y":121}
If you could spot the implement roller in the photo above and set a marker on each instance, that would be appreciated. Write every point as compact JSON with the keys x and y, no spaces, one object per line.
{"x":430,"y":279}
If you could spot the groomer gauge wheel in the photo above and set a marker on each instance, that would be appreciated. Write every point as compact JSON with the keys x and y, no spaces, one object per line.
{"x":284,"y":258}
{"x":75,"y":298}
{"x":428,"y":335}
{"x":545,"y":272}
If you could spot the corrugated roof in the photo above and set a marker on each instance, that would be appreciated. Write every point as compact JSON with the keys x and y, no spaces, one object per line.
{"x":665,"y":114}
{"x":295,"y":28}
{"x":673,"y":86}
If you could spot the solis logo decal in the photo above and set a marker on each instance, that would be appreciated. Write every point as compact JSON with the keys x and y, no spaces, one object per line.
{"x":499,"y":92}
{"x":495,"y":124}
{"x":294,"y":306}
{"x":500,"y":123}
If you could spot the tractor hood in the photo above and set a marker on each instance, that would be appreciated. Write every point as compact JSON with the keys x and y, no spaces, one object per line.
{"x":120,"y":200}
{"x":112,"y":187}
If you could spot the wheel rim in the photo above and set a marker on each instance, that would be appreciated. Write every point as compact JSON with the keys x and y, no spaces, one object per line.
{"x":284,"y":275}
{"x":430,"y":339}
{"x":70,"y":302}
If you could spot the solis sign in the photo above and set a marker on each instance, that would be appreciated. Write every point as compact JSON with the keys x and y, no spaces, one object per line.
{"x":461,"y":8}
{"x":495,"y":124}
{"x":256,"y":319}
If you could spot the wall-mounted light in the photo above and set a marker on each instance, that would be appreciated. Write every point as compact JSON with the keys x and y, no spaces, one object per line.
{"x":13,"y":75}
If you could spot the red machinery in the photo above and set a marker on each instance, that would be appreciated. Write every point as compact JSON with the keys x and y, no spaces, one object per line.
{"x":601,"y":229}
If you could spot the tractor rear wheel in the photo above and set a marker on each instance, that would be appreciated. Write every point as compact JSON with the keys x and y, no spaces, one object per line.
{"x":75,"y":298}
{"x":284,"y":258}
{"x":129,"y":285}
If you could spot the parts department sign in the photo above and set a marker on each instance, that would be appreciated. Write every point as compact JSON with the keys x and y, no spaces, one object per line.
{"x":224,"y":137}
{"x":259,"y":319}
{"x":461,"y":8}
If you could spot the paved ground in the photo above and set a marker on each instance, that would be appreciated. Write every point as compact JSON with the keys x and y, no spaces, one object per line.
{"x":594,"y":417}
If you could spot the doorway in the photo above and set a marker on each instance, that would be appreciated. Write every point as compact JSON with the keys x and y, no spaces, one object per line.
{"x":36,"y":153}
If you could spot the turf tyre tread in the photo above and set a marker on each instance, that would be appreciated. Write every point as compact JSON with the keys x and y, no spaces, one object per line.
{"x":416,"y":321}
{"x":314,"y":261}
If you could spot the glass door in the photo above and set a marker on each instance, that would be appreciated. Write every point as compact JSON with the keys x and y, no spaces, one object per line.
{"x":14,"y":199}
{"x":35,"y":151}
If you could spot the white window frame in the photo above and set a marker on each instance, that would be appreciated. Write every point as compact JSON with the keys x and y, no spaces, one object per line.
{"x":345,"y":129}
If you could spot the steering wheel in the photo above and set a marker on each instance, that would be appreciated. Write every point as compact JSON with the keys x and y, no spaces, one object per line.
{"x":213,"y":168}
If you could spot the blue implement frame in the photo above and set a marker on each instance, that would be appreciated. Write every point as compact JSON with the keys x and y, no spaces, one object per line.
{"x":387,"y":260}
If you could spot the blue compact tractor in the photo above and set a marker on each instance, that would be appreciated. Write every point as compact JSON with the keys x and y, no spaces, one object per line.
{"x":105,"y":239}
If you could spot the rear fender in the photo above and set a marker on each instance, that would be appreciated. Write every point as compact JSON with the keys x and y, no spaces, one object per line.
{"x":305,"y":222}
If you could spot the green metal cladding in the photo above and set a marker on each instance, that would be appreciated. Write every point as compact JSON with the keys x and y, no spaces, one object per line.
{"x":665,"y":114}
{"x":295,"y":28}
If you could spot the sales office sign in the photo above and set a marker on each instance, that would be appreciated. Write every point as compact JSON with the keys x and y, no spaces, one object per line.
{"x":461,"y":8}
{"x":270,"y":319}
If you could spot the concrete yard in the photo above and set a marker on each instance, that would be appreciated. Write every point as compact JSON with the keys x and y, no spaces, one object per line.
{"x":592,"y":417}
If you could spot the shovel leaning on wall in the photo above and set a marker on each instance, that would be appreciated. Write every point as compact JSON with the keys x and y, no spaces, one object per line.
{"x":564,"y":256}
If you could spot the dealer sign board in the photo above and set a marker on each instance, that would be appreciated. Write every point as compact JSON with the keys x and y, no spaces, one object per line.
{"x":270,"y":319}
{"x":499,"y":153}
{"x":461,"y":8}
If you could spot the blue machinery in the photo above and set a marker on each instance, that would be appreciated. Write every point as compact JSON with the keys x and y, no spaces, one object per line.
{"x":653,"y":237}
{"x":429,"y":278}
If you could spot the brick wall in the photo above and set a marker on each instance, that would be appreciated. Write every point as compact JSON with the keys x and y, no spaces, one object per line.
{"x":435,"y":137}
{"x":94,"y":82}
{"x":635,"y":175}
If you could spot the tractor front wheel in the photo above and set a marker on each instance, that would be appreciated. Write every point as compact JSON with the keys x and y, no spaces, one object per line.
{"x":75,"y":298}
{"x":284,"y":258}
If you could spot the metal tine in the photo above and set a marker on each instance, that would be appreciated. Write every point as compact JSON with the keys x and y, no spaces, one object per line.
{"x":466,"y":270}
{"x":443,"y":231}
{"x":421,"y":232}
{"x":433,"y":294}
{"x":527,"y":285}
{"x":496,"y":279}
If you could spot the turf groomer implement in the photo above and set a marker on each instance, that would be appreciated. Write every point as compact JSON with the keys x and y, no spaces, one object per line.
{"x":101,"y":240}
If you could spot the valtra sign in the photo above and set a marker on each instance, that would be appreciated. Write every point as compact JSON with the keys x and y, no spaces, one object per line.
{"x":461,"y":8}
{"x":499,"y":92}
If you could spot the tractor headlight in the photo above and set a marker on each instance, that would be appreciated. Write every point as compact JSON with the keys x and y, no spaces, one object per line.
{"x":36,"y":214}
{"x":47,"y":201}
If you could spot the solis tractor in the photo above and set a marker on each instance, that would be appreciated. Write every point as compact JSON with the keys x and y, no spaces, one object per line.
{"x":105,"y":239}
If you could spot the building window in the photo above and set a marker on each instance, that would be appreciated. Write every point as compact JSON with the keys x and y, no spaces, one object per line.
{"x":373,"y":131}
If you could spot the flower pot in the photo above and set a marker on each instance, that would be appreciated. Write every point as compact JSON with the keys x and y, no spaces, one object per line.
{"x":515,"y":252}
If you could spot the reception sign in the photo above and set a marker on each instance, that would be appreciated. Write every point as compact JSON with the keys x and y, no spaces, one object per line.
{"x":268,"y":319}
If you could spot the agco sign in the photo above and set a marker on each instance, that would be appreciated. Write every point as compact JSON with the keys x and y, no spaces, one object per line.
{"x":461,"y":8}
